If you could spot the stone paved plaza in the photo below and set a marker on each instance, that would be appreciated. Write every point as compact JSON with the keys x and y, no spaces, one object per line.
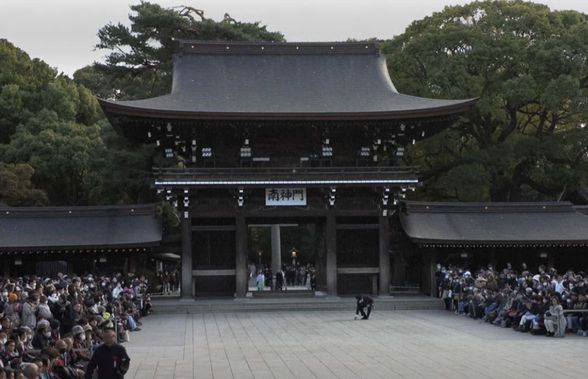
{"x":330,"y":344}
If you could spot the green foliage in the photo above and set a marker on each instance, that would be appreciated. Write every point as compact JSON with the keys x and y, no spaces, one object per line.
{"x":524,"y":140}
{"x":529,"y":67}
{"x":169,"y":216}
{"x":138,"y":65}
{"x":125,"y":172}
{"x":28,"y":86}
{"x":64,"y":154}
{"x":16,"y":188}
{"x":55,"y":146}
{"x":48,"y":135}
{"x":139,"y":61}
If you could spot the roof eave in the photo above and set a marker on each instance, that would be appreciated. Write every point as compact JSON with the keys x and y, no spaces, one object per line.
{"x":111,"y":109}
{"x":54,"y":248}
{"x":421,"y":241}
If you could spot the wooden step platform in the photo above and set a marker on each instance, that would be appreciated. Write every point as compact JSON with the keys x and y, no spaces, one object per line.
{"x":255,"y":304}
{"x":282,"y":294}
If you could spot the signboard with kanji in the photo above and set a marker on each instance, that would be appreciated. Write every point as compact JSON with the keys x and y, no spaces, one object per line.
{"x":285,"y":196}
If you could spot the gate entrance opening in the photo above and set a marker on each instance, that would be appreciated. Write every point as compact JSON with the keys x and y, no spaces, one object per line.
{"x":286,"y":254}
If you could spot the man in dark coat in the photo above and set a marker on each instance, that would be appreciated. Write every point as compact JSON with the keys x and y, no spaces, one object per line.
{"x":279,"y":280}
{"x":364,"y":302}
{"x":110,"y":358}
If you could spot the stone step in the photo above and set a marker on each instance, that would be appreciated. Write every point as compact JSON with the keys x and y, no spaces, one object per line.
{"x":405,"y":291}
{"x":282,"y":294}
{"x":387,"y":303}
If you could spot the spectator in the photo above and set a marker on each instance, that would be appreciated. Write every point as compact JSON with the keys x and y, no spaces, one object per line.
{"x":30,"y":371}
{"x":555,"y":322}
{"x":260,"y":281}
{"x":10,"y":355}
{"x":521,"y":300}
{"x":110,"y":358}
{"x":43,"y":310}
{"x":29,"y":309}
{"x":54,"y":323}
{"x":42,"y":338}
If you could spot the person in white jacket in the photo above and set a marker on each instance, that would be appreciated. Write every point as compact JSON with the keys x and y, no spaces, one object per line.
{"x":116,"y":291}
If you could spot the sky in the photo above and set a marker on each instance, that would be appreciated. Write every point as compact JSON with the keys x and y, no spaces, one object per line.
{"x":63,"y":32}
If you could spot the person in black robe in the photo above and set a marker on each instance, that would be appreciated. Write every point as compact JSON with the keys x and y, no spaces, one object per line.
{"x":110,"y":358}
{"x":364,"y":302}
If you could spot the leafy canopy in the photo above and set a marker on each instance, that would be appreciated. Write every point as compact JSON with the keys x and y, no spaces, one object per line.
{"x":139,"y":60}
{"x":56,"y":147}
{"x":47,"y":132}
{"x":526,"y":139}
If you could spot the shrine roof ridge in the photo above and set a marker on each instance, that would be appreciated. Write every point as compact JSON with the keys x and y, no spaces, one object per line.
{"x":278,"y":48}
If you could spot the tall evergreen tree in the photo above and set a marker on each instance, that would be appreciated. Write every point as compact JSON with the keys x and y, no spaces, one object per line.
{"x":139,"y":60}
{"x":526,"y":139}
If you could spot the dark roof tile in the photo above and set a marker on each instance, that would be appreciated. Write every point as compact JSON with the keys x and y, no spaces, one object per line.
{"x":274,"y":80}
{"x":494,"y":223}
{"x":79,"y":227}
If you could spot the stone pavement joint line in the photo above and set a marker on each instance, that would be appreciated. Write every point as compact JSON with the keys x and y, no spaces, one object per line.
{"x":330,"y":344}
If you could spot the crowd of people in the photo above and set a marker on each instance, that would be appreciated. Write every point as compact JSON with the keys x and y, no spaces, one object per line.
{"x":544,"y":302}
{"x":291,"y":275}
{"x":49,"y":327}
{"x":168,"y":282}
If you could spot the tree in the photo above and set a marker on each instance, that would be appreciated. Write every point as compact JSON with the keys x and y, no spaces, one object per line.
{"x":55,"y":144}
{"x":16,"y":188}
{"x":125,"y":172}
{"x":27,"y":86}
{"x":64,"y":155}
{"x":49,"y":140}
{"x":139,"y":61}
{"x":525,"y":139}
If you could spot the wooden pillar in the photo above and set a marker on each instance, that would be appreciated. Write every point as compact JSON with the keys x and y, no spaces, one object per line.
{"x":331,"y":247}
{"x":6,"y":263}
{"x":133,"y":263}
{"x":241,"y":275}
{"x":432,"y":269}
{"x":276,"y":252}
{"x":550,"y":260}
{"x":492,"y":258}
{"x":187,"y":278}
{"x":384,"y":246}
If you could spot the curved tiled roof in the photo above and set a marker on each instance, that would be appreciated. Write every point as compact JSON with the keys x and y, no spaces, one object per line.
{"x":547,"y":223}
{"x":50,"y":228}
{"x":283,"y":81}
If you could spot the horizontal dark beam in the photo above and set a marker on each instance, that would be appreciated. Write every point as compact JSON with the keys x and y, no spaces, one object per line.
{"x":72,"y":250}
{"x":214,"y":228}
{"x":357,"y":226}
{"x":503,"y":244}
{"x":286,"y":176}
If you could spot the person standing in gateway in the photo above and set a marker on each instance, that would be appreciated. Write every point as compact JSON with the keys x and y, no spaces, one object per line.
{"x":110,"y":358}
